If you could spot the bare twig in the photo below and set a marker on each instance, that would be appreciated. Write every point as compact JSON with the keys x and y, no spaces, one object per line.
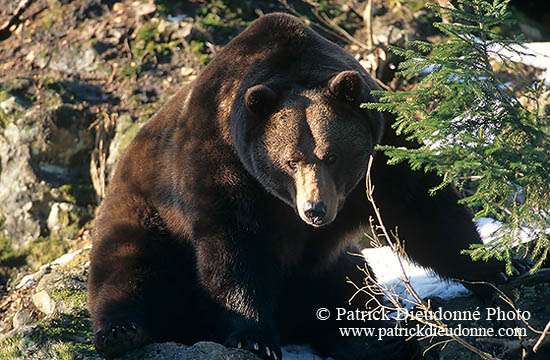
{"x":367,"y":19}
{"x":542,"y":337}
{"x":399,"y":250}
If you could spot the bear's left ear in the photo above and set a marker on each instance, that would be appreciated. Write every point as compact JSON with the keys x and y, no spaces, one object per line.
{"x":260,"y":99}
{"x":347,"y":86}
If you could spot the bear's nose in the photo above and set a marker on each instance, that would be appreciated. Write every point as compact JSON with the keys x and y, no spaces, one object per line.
{"x":315,"y":211}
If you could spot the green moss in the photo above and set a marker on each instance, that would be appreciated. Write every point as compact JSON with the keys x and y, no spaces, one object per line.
{"x":15,"y":85}
{"x":4,"y":95}
{"x":130,"y":71}
{"x":76,"y":298}
{"x":80,"y":193}
{"x":46,"y":23}
{"x":9,"y":347}
{"x":46,"y":249}
{"x":5,"y":119}
{"x":147,"y":32}
{"x":102,"y":68}
{"x":148,"y":47}
{"x":68,"y":335}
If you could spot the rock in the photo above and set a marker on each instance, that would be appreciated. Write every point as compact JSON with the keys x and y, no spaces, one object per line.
{"x":20,"y":190}
{"x":22,"y":318}
{"x":43,"y":302}
{"x":64,"y":331}
{"x":89,"y":9}
{"x":391,"y":33}
{"x":86,"y":91}
{"x":12,"y":105}
{"x":145,"y":9}
{"x":166,"y":29}
{"x":14,"y":84}
{"x":200,"y":351}
{"x":73,"y":60}
{"x":171,"y":30}
{"x":184,"y":31}
{"x":41,"y":150}
{"x":61,"y":292}
{"x":65,"y":219}
{"x":532,"y":32}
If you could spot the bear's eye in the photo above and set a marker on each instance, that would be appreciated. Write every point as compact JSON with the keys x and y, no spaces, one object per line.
{"x":293,"y":164}
{"x":331,"y":159}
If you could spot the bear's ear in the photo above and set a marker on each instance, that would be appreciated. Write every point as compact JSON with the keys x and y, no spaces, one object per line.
{"x":260,"y":99}
{"x":347,"y":86}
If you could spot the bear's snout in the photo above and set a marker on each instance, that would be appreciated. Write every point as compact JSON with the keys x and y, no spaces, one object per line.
{"x":315,"y":211}
{"x":316,"y":196}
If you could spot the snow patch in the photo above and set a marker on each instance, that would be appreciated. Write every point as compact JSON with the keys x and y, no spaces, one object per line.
{"x":385,"y":265}
{"x":535,"y":54}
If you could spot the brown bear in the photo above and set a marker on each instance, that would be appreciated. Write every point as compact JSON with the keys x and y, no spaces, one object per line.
{"x":232,"y":213}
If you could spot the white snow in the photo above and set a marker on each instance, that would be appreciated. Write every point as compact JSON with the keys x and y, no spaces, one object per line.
{"x":535,"y":54}
{"x":385,"y":265}
{"x":488,"y":229}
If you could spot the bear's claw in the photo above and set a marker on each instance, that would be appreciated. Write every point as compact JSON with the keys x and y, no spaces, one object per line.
{"x":120,"y":338}
{"x":269,"y":352}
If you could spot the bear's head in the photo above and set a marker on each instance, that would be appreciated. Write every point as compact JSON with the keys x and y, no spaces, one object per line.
{"x":309,"y":146}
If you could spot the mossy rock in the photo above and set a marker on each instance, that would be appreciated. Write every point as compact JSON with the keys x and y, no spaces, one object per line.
{"x":15,"y":85}
{"x":65,"y":336}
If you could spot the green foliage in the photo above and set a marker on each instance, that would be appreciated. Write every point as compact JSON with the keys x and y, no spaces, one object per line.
{"x":472,"y":129}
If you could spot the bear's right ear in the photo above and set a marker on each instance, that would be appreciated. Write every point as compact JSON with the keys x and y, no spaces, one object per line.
{"x":347,"y":86}
{"x":260,"y":99}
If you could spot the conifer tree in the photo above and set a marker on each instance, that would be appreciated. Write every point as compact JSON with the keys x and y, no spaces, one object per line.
{"x":473,"y":130}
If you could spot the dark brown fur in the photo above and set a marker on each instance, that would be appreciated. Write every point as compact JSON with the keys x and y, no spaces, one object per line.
{"x":199,"y":237}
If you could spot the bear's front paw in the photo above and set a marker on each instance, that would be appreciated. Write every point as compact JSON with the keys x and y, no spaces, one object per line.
{"x":119,"y":338}
{"x":255,"y":343}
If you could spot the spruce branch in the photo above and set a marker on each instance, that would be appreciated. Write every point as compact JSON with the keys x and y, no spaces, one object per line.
{"x":473,"y":130}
